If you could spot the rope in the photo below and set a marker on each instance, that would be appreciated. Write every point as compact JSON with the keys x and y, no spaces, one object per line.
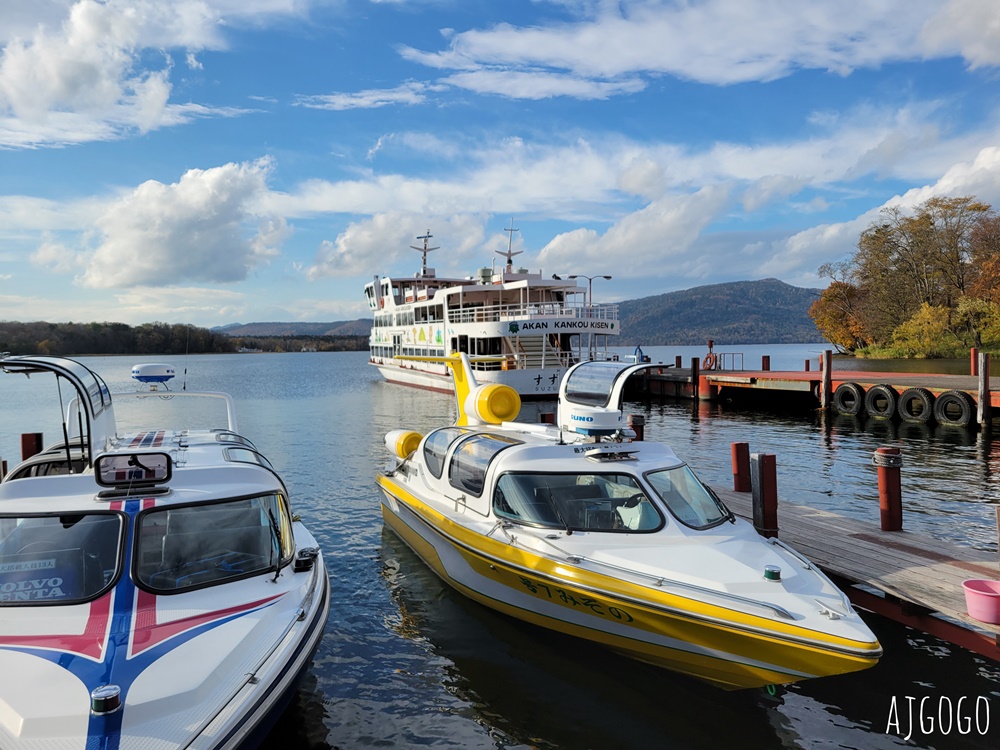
{"x":887,"y":460}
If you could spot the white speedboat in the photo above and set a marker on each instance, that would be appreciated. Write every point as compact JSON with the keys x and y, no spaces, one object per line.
{"x":156,"y":590}
{"x":579,"y":528}
{"x":518,"y":328}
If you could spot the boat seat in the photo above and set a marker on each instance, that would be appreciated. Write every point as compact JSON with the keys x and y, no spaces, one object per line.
{"x":575,"y":502}
{"x":640,"y":516}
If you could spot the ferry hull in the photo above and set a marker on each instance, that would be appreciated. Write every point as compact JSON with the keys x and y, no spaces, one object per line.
{"x":729,"y":649}
{"x":540,"y":383}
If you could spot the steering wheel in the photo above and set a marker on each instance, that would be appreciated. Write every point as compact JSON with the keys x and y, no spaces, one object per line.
{"x":41,"y":545}
{"x":631,"y":501}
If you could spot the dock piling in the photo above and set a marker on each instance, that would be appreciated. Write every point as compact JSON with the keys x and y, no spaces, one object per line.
{"x":31,"y":443}
{"x":890,"y":496}
{"x":637,"y":422}
{"x":741,"y":467}
{"x":983,"y":416}
{"x":764,"y":488}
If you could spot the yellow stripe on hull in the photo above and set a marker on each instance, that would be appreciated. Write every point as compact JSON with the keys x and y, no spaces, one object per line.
{"x":728,"y":648}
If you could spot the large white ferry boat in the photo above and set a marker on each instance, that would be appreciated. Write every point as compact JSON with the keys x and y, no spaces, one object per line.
{"x":517,"y":328}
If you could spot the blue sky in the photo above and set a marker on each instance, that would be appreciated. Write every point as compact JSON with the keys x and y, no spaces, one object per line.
{"x":220,"y":161}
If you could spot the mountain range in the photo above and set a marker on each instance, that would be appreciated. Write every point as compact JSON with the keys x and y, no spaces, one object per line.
{"x":768,"y":311}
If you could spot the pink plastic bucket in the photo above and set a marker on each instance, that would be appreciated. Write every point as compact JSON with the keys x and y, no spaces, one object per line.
{"x":982,"y":599}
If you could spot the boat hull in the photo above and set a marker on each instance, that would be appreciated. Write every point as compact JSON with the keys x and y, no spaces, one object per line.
{"x":730,"y":650}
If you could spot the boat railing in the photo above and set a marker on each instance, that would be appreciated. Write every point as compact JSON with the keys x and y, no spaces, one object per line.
{"x":512,"y":312}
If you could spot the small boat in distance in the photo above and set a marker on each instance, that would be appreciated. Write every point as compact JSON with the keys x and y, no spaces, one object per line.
{"x":156,"y":589}
{"x":517,"y":328}
{"x":580,"y":528}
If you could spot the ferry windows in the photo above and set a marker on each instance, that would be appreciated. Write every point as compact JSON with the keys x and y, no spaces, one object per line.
{"x":436,"y":446}
{"x":183,"y":548}
{"x":580,"y":502}
{"x":467,"y":470}
{"x":58,"y":559}
{"x":687,"y":498}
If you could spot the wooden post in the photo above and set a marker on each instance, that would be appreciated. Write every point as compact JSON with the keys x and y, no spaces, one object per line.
{"x":31,"y":443}
{"x":808,"y":365}
{"x":695,"y":376}
{"x":547,"y":417}
{"x":826,"y":385}
{"x":638,"y":424}
{"x":890,"y":496}
{"x":973,"y":361}
{"x":765,"y":363}
{"x":3,"y":473}
{"x":764,"y":481}
{"x":741,"y":467}
{"x":983,"y":416}
{"x":678,"y":361}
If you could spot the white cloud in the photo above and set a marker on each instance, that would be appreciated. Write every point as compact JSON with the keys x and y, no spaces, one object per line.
{"x":75,"y":72}
{"x":407,"y":93}
{"x":661,"y":235}
{"x":195,"y":229}
{"x":378,"y":242}
{"x":970,"y":28}
{"x":527,"y":84}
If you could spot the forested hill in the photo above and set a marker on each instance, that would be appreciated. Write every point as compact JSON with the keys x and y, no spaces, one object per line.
{"x":741,"y":312}
{"x":340,"y":328}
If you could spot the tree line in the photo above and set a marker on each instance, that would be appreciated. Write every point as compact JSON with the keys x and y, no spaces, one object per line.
{"x":921,"y":284}
{"x":77,"y":339}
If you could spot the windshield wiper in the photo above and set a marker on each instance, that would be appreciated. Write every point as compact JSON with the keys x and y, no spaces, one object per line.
{"x":275,"y":545}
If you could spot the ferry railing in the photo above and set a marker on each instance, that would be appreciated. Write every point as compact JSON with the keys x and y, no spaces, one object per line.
{"x":497,"y":313}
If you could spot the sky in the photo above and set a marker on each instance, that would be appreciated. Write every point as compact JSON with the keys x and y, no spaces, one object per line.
{"x":233,"y":161}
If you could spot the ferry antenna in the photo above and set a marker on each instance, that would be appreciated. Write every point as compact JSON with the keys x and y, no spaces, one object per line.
{"x":424,"y":250}
{"x":510,"y":253}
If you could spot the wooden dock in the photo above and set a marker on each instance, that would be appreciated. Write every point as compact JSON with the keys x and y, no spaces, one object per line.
{"x":908,"y":577}
{"x":819,"y":388}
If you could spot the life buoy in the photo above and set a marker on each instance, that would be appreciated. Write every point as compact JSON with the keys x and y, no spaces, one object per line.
{"x":848,"y":399}
{"x":954,"y":409}
{"x":709,"y":362}
{"x":915,"y":405}
{"x":881,"y":400}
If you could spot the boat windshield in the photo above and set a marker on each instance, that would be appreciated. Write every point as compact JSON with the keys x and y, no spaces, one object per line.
{"x":687,"y":498}
{"x":591,"y":383}
{"x":205,"y":545}
{"x":58,"y":559}
{"x":579,"y":502}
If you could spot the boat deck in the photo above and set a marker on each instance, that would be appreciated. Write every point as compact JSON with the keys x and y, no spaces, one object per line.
{"x":918,"y":579}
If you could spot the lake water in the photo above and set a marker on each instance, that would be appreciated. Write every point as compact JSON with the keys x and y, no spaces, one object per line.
{"x":407,"y":662}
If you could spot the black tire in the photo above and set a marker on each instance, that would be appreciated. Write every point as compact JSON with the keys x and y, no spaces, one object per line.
{"x":954,"y":409}
{"x":915,"y":405}
{"x":881,"y":400}
{"x":849,"y":398}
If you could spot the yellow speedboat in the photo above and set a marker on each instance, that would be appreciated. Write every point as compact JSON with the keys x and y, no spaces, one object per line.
{"x":579,"y":528}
